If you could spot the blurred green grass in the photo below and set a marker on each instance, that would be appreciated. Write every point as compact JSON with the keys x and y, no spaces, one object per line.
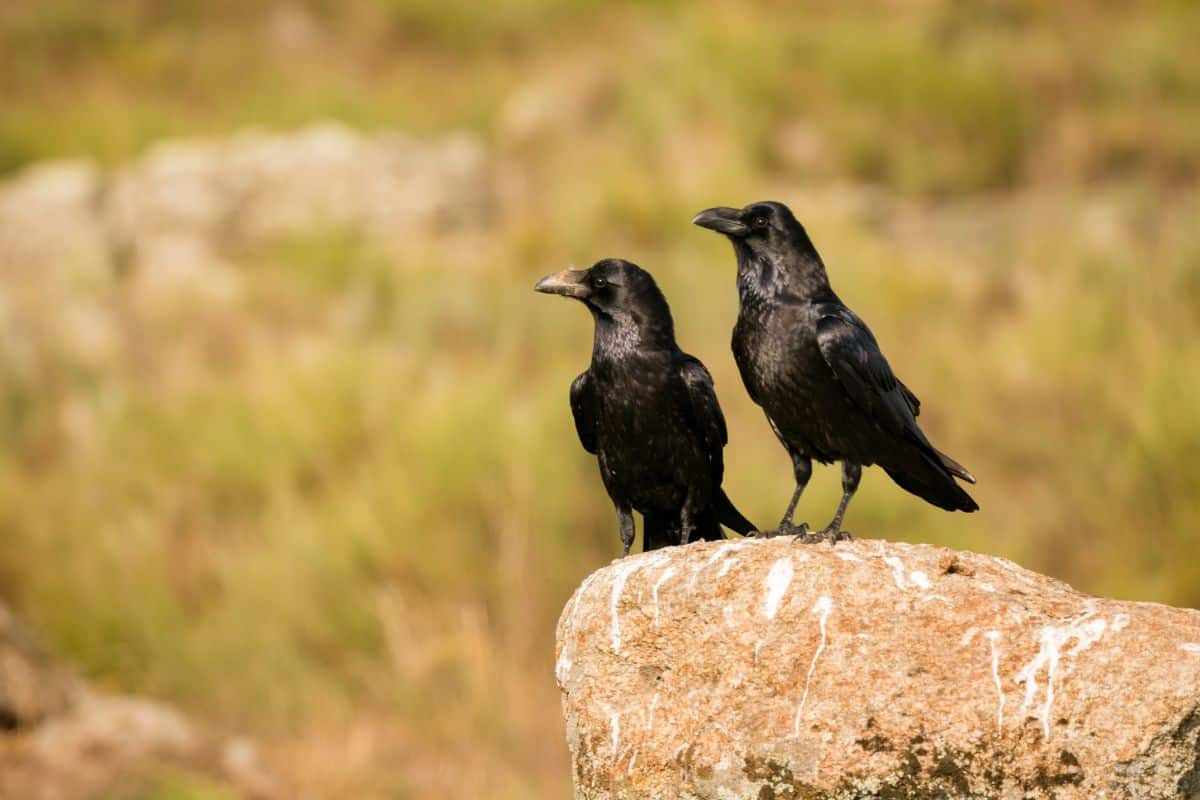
{"x":343,"y":512}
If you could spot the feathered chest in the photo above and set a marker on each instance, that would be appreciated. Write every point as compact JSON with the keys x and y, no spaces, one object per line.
{"x":775,"y":347}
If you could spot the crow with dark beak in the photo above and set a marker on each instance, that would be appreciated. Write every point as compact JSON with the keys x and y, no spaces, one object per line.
{"x":648,"y":411}
{"x":816,"y":370}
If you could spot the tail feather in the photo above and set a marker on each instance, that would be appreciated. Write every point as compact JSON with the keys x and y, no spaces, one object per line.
{"x":956,"y":469}
{"x":926,"y":475}
{"x":662,"y":529}
{"x":730,"y":517}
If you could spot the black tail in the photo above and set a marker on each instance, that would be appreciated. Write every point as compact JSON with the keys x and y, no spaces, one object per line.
{"x":662,"y":529}
{"x":930,"y":475}
{"x":730,"y":517}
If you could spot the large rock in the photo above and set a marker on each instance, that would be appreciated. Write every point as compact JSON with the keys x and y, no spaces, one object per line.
{"x":773,"y":670}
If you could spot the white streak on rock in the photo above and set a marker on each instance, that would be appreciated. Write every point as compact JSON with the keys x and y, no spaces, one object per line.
{"x":562,"y":667}
{"x":897,"y":570}
{"x":919,"y":579}
{"x":1120,"y":622}
{"x":623,"y":571}
{"x":728,"y":611}
{"x":721,"y":552}
{"x":663,"y":578}
{"x":823,"y":606}
{"x":1190,"y":647}
{"x":778,"y":580}
{"x":844,"y":556}
{"x":993,"y":637}
{"x":968,"y":637}
{"x":614,"y":726}
{"x":729,"y":562}
{"x":579,"y":596}
{"x":650,"y":716}
{"x":987,"y":587}
{"x":1052,"y":639}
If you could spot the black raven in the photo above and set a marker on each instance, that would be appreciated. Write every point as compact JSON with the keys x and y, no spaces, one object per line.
{"x":647,"y":410}
{"x":817,"y":371}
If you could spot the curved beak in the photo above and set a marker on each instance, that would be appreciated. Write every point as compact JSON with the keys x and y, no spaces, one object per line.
{"x":722,"y":219}
{"x":569,"y":283}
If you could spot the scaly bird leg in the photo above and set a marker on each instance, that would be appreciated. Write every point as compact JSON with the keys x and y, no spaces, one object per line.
{"x":628,"y":531}
{"x":802,"y":469}
{"x":851,"y":474}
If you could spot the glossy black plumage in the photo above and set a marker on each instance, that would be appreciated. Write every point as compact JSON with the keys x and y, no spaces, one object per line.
{"x":815,"y":368}
{"x":648,"y":411}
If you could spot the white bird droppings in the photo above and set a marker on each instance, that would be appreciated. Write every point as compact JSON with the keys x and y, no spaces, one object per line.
{"x":666,"y":574}
{"x":919,"y":579}
{"x":897,"y":570}
{"x":562,"y":667}
{"x":993,"y":637}
{"x":1085,"y":631}
{"x":614,"y":726}
{"x":844,"y":556}
{"x":1190,"y":647}
{"x":623,"y":571}
{"x":822,"y":607}
{"x":968,"y":637}
{"x":778,"y":580}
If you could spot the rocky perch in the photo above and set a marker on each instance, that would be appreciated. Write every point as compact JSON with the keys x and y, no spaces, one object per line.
{"x":777,"y":671}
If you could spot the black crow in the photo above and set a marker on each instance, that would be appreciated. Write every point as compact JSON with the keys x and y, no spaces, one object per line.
{"x":817,"y":371}
{"x":648,"y":411}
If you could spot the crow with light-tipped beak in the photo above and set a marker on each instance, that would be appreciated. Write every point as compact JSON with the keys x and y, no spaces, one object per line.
{"x":648,"y":411}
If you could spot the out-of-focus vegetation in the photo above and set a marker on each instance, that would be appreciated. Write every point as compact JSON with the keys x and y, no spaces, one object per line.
{"x":348,"y":527}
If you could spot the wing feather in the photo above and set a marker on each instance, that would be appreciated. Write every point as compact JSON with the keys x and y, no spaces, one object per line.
{"x":584,"y":408}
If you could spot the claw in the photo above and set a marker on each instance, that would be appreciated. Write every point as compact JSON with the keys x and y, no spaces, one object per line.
{"x":833,"y":536}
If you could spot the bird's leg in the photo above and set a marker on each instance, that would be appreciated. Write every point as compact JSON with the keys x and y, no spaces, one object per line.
{"x":628,"y":531}
{"x":802,"y":469}
{"x":851,"y":473}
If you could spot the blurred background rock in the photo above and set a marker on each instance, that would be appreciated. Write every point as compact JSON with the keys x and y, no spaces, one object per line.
{"x":284,"y":439}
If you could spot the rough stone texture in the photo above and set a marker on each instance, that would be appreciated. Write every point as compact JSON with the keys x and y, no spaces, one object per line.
{"x":62,"y":740}
{"x":772,"y":670}
{"x":191,"y":199}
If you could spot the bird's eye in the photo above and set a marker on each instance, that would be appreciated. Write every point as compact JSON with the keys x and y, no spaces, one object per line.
{"x":598,"y":282}
{"x":760,"y":222}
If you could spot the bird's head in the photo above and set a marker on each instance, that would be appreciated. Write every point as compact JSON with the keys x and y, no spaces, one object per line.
{"x":617,"y":292}
{"x":772,"y":247}
{"x":758,"y":226}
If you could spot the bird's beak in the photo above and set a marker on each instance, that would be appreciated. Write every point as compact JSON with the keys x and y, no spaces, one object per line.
{"x":569,"y":282}
{"x":722,"y":220}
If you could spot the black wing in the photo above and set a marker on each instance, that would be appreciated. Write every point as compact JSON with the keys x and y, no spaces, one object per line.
{"x":852,"y":352}
{"x":583,"y":408}
{"x":703,"y":410}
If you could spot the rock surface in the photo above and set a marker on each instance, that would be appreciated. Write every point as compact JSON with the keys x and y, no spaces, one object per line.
{"x":772,"y":670}
{"x":62,"y":740}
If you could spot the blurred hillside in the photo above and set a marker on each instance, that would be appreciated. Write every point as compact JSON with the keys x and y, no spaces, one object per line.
{"x":284,"y":429}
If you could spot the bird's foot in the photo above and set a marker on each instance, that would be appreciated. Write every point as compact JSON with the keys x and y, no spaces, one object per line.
{"x":798,"y":532}
{"x":833,"y":535}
